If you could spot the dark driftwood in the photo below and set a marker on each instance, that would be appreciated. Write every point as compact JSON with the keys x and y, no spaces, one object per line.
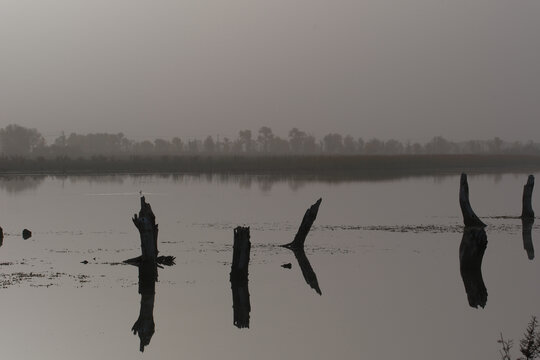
{"x":145,"y":326}
{"x":471,"y":252}
{"x":305,"y":226}
{"x":469,"y":217}
{"x":527,"y":211}
{"x":526,"y":232}
{"x":241,"y":250}
{"x":307,"y":271}
{"x":241,"y":303}
{"x":148,"y":230}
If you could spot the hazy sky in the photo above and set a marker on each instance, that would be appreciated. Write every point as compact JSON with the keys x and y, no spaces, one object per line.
{"x":405,"y":69}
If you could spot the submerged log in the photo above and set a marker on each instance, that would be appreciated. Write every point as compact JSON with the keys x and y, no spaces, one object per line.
{"x":148,"y":230}
{"x":469,"y":217}
{"x":305,"y":226}
{"x":241,"y":250}
{"x":527,"y":211}
{"x":471,"y":253}
{"x":145,"y":326}
{"x":526,"y":232}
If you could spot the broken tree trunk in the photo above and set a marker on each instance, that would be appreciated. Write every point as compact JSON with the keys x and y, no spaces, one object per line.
{"x":526,"y":232}
{"x":241,"y":250}
{"x":148,"y":230}
{"x":471,"y":252}
{"x":305,"y":226}
{"x":527,"y":211}
{"x":469,"y":217}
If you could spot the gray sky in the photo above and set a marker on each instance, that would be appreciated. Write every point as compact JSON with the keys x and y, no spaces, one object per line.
{"x":405,"y":69}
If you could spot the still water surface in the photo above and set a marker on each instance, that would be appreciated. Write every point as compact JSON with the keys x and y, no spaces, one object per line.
{"x":384,"y":255}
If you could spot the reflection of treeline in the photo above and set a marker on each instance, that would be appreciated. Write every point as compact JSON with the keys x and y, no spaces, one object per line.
{"x":20,"y":141}
{"x":356,"y":166}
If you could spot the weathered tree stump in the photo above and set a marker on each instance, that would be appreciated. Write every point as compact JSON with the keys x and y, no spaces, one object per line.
{"x":148,"y":230}
{"x":145,"y":326}
{"x":471,"y":253}
{"x":241,"y":250}
{"x":527,"y":211}
{"x":469,"y":217}
{"x":239,"y":277}
{"x":305,"y":226}
{"x":1,"y":236}
{"x":526,"y":232}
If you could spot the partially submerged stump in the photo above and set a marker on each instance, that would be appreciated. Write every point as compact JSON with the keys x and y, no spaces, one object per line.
{"x":471,"y":253}
{"x":239,"y":277}
{"x":1,"y":236}
{"x":526,"y":232}
{"x":145,"y":326}
{"x":26,"y":234}
{"x":469,"y":217}
{"x":305,"y":226}
{"x":527,"y":211}
{"x":148,"y":230}
{"x":241,"y":252}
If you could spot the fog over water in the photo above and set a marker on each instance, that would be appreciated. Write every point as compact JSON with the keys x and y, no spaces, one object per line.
{"x":389,"y":69}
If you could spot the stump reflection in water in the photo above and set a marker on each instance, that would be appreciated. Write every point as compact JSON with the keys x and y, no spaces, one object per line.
{"x":145,"y":326}
{"x":471,"y":253}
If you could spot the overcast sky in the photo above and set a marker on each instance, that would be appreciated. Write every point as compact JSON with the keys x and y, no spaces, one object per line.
{"x":405,"y":69}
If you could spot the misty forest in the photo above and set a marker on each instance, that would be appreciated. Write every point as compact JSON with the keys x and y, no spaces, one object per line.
{"x":19,"y":141}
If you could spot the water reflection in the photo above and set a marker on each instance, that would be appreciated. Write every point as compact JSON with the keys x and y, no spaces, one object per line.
{"x":307,"y":271}
{"x":241,"y":303}
{"x":526,"y":231}
{"x":145,"y":326}
{"x":471,"y":252}
{"x":19,"y":183}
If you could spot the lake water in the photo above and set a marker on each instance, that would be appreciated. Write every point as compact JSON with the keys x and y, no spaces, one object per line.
{"x":384,"y":255}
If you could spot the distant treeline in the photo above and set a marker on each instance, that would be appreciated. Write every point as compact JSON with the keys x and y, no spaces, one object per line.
{"x":331,"y":166}
{"x":18,"y":141}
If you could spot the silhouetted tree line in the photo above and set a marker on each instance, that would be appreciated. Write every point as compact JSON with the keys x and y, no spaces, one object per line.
{"x":18,"y":141}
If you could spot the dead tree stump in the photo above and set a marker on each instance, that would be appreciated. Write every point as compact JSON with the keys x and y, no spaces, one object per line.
{"x":239,"y":277}
{"x":148,"y":230}
{"x":469,"y":217}
{"x":241,"y":250}
{"x":527,"y":211}
{"x":305,"y":226}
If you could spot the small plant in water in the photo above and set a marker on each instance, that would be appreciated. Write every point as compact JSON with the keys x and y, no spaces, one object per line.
{"x":529,"y":345}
